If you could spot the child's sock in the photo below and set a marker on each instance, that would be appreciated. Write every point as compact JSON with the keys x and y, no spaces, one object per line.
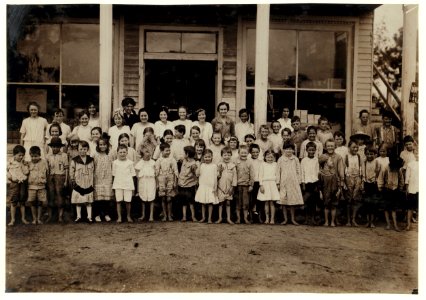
{"x":89,"y":212}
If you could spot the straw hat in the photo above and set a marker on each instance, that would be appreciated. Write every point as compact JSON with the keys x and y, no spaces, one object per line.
{"x":360,"y":135}
{"x":56,"y":142}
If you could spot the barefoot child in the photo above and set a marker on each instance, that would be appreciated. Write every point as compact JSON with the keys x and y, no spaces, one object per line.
{"x":124,"y":181}
{"x":323,"y":132}
{"x":244,"y":127}
{"x":166,"y":172}
{"x":245,"y":181}
{"x":17,"y":174}
{"x":199,"y":146}
{"x":207,"y":190}
{"x":216,"y":147}
{"x":310,"y":170}
{"x":264,"y":142}
{"x":145,"y":169}
{"x":275,"y":137}
{"x":412,"y":188}
{"x":256,"y":206}
{"x":371,"y":193}
{"x":227,"y":181}
{"x":268,"y":190}
{"x":329,"y":188}
{"x":312,"y":137}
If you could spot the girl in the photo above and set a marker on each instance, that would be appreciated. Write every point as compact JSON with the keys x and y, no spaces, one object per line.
{"x":268,"y":190}
{"x":58,"y":118}
{"x":55,"y":131}
{"x":286,"y":136}
{"x":162,"y":124}
{"x":119,"y":128}
{"x":72,"y":150}
{"x":243,"y":127}
{"x":166,"y":172}
{"x":329,"y":188}
{"x":138,"y":128}
{"x":183,"y":114}
{"x":312,"y":137}
{"x":206,"y":129}
{"x":383,"y":158}
{"x":195,"y":134}
{"x":216,"y":147}
{"x":81,"y":177}
{"x":124,"y":139}
{"x":275,"y":137}
{"x":96,"y":134}
{"x":123,"y":181}
{"x":148,"y":140}
{"x":264,"y":142}
{"x":93,"y":115}
{"x":83,"y":129}
{"x":249,"y":139}
{"x":234,"y":144}
{"x":103,"y":178}
{"x":371,"y":195}
{"x":145,"y":169}
{"x":407,"y":155}
{"x":285,"y":121}
{"x":168,"y":139}
{"x":339,"y":139}
{"x":207,"y":190}
{"x":354,"y":170}
{"x":227,"y":181}
{"x":222,"y":123}
{"x":289,"y":179}
{"x":33,"y":130}
{"x":200,"y":147}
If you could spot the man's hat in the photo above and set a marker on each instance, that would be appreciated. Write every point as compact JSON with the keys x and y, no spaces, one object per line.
{"x":56,"y":142}
{"x":360,"y":135}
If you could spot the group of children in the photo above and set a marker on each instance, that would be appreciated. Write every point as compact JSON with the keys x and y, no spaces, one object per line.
{"x":219,"y":165}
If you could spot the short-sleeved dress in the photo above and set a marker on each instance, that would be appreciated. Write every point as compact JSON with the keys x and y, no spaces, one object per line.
{"x":146,"y":179}
{"x":34,"y":130}
{"x":103,"y":176}
{"x":289,"y":178}
{"x":227,"y":180}
{"x":82,"y":173}
{"x":207,"y":184}
{"x":268,"y":179}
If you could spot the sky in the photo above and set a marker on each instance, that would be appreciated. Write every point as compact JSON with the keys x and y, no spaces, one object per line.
{"x":391,"y":14}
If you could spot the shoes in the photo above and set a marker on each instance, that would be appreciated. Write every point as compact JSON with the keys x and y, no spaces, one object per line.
{"x":107,"y":218}
{"x":98,"y":219}
{"x":78,"y":220}
{"x":89,"y":220}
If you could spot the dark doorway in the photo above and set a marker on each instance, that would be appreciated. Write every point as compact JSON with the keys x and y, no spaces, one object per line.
{"x":174,"y":83}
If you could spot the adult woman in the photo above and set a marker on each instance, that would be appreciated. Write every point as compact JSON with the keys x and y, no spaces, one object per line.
{"x":222,"y":123}
{"x":93,"y":115}
{"x":163,"y":123}
{"x":363,"y":125}
{"x":33,"y":130}
{"x":183,"y":113}
{"x":205,"y":127}
{"x":129,"y":115}
{"x":138,"y":128}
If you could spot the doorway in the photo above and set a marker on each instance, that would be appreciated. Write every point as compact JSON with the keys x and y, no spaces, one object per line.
{"x":175,"y":83}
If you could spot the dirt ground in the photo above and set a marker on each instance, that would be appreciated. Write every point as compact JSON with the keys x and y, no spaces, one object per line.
{"x":193,"y":257}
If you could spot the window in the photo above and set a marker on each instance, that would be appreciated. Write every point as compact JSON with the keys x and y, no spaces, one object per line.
{"x":307,"y":73}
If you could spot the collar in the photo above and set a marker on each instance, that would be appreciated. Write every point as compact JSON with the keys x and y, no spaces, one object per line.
{"x":78,"y":160}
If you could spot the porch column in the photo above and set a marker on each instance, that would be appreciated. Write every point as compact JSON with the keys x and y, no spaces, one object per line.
{"x":105,"y":64}
{"x":409,"y":65}
{"x":261,"y":67}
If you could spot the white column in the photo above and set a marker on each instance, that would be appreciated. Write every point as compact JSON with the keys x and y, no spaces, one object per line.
{"x":105,"y":64}
{"x":261,"y":67}
{"x":409,"y":65}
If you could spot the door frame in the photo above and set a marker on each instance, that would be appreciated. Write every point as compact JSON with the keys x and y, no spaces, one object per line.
{"x":180,"y":56}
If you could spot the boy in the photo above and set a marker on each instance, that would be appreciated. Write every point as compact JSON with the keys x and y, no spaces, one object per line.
{"x":245,"y":181}
{"x":179,"y":142}
{"x":310,"y":171}
{"x":187,"y":182}
{"x":37,"y":179}
{"x":59,"y":119}
{"x":407,"y":154}
{"x":387,"y":133}
{"x":312,"y":137}
{"x":323,"y":132}
{"x":17,"y":171}
{"x":412,"y":188}
{"x":255,"y":205}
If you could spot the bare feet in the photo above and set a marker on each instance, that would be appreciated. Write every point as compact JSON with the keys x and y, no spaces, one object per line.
{"x":209,"y":222}
{"x":333,"y":225}
{"x":246,"y":221}
{"x":295,"y":223}
{"x":349,"y":224}
{"x":387,"y":227}
{"x":11,"y":223}
{"x":230,"y":222}
{"x":164,"y":219}
{"x":151,"y":220}
{"x":129,"y":219}
{"x":238,"y":221}
{"x":218,"y":221}
{"x":194,"y":219}
{"x":39,"y":221}
{"x":119,"y":220}
{"x":284,"y":222}
{"x":355,"y":224}
{"x":372,"y":225}
{"x":183,"y":220}
{"x":35,"y":221}
{"x":397,"y":229}
{"x":141,"y":219}
{"x":266,"y":221}
{"x":272,"y":222}
{"x":24,"y":221}
{"x":202,"y":220}
{"x":170,"y":219}
{"x":325,"y":224}
{"x":407,"y":228}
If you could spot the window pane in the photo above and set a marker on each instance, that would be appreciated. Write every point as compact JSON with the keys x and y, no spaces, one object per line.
{"x":328,"y":104}
{"x":198,"y":43}
{"x":76,"y":98}
{"x":277,"y":100}
{"x":163,"y":42}
{"x":80,"y":53}
{"x":322,"y":59}
{"x":250,"y":54}
{"x":36,"y":56}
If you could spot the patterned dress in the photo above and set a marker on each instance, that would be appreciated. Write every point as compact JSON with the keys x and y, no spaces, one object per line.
{"x":82,"y":173}
{"x":289,"y":178}
{"x":103,"y":176}
{"x":227,"y":180}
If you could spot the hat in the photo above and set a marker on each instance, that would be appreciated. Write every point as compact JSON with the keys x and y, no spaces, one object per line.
{"x":56,"y":142}
{"x":73,"y":137}
{"x":360,"y":135}
{"x":126,"y":101}
{"x":322,"y":158}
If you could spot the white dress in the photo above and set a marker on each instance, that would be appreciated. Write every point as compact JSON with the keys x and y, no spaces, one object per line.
{"x":83,"y":132}
{"x":160,"y":127}
{"x":187,"y":124}
{"x":242,"y":129}
{"x":146,"y":180}
{"x":137,"y":132}
{"x":34,"y":130}
{"x":207,"y":184}
{"x":268,"y":179}
{"x":206,"y":131}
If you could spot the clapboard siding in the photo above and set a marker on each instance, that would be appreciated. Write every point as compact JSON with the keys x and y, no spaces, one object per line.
{"x":229,"y":67}
{"x":131,"y":61}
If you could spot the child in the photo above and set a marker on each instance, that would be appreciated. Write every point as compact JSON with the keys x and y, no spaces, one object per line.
{"x":310,"y":170}
{"x":354,"y":170}
{"x":361,"y":139}
{"x":17,"y":174}
{"x":57,"y":162}
{"x":187,"y":182}
{"x":256,"y":206}
{"x":93,"y":115}
{"x":59,"y":119}
{"x":289,"y":179}
{"x":249,"y":139}
{"x":383,"y":158}
{"x":323,"y":132}
{"x":96,"y":134}
{"x":244,"y":127}
{"x":387,"y":133}
{"x":207,"y":190}
{"x":81,"y":178}
{"x":138,"y":129}
{"x":264,"y":142}
{"x":124,"y":139}
{"x":407,"y":155}
{"x":371,"y":193}
{"x":200,"y":147}
{"x":83,"y":130}
{"x":103,"y":179}
{"x":123,"y":181}
{"x":72,"y":150}
{"x":227,"y":181}
{"x":285,"y":121}
{"x":117,"y":130}
{"x":145,"y":169}
{"x":37,"y":179}
{"x":216,"y":146}
{"x":234,"y":144}
{"x":55,"y":131}
{"x":298,"y":135}
{"x":195,"y":134}
{"x":33,"y":130}
{"x":168,"y":139}
{"x":275,"y":137}
{"x":162,"y":124}
{"x":178,"y":144}
{"x":390,"y":182}
{"x":167,"y":173}
{"x":339,"y":139}
{"x":206,"y":129}
{"x":412,"y":188}
{"x":245,"y":181}
{"x":268,"y":190}
{"x":286,"y":136}
{"x":148,"y":141}
{"x":330,"y":190}
{"x":312,"y":137}
{"x":183,"y":114}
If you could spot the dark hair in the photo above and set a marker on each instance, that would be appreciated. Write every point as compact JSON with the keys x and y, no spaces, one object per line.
{"x":224,"y":150}
{"x":269,"y":151}
{"x":339,"y":133}
{"x":276,"y":121}
{"x":311,"y":145}
{"x":122,"y":136}
{"x":190,"y":151}
{"x":243,"y":111}
{"x":254,"y":146}
{"x":121,"y":146}
{"x":184,"y":107}
{"x":288,"y":130}
{"x":167,"y":132}
{"x":92,"y":103}
{"x":82,"y":113}
{"x":196,"y":128}
{"x":200,"y":110}
{"x":165,"y":109}
{"x":385,"y":146}
{"x":363,"y":111}
{"x":180,"y":129}
{"x":217,"y":132}
{"x":18,"y":149}
{"x":35,"y":150}
{"x":148,"y":129}
{"x":295,"y":119}
{"x":288,"y":145}
{"x":322,"y":118}
{"x":234,"y":138}
{"x":208,"y":151}
{"x":223,"y":103}
{"x":96,"y":128}
{"x":57,"y":126}
{"x":250,"y":136}
{"x":387,"y":114}
{"x":395,"y":162}
{"x":59,"y":111}
{"x":312,"y":127}
{"x":83,"y":144}
{"x":105,"y":138}
{"x":370,"y":148}
{"x":34,"y":104}
{"x":126,"y":101}
{"x":351,"y":142}
{"x":200,"y":142}
{"x":242,"y":147}
{"x":408,"y":139}
{"x":164,"y":146}
{"x":141,"y":110}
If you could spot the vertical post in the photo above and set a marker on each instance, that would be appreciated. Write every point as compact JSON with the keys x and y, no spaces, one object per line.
{"x":261,"y":66}
{"x":105,"y":64}
{"x":409,"y":65}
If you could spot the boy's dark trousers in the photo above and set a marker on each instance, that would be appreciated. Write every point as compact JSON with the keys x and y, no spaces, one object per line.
{"x":310,"y":198}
